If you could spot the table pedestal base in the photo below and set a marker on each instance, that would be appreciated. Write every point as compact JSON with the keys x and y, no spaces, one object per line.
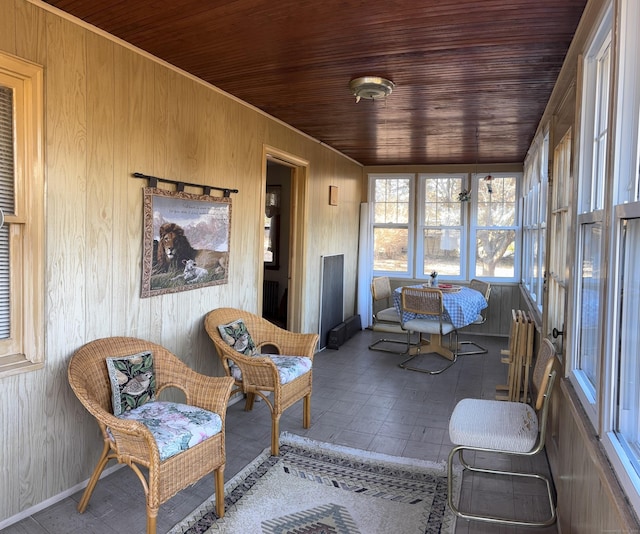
{"x":434,"y":344}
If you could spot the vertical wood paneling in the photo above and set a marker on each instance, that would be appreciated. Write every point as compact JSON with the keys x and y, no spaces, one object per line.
{"x":589,"y":498}
{"x":31,"y":41}
{"x":109,"y":112}
{"x":10,"y":447}
{"x":8,"y":26}
{"x":65,"y":115}
{"x":139,"y":155}
{"x":120,"y":245}
{"x":35,"y":435}
{"x":100,"y":183}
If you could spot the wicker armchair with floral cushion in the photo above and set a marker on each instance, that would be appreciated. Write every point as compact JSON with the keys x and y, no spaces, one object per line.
{"x":264,"y":359}
{"x":118,"y":380}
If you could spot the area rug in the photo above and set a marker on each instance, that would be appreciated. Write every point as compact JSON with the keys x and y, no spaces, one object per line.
{"x":319,"y":488}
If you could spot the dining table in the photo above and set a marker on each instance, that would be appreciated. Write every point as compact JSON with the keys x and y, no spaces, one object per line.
{"x":462,"y":306}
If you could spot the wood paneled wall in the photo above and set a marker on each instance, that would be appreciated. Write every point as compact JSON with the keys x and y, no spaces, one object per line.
{"x":590,"y":499}
{"x":110,"y":111}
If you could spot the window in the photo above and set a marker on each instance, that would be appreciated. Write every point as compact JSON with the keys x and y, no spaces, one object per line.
{"x":627,"y":424}
{"x":590,"y":278}
{"x":534,"y":224}
{"x":392,"y":211}
{"x":494,"y":229}
{"x":442,"y":218}
{"x":558,"y":276}
{"x":475,"y":237}
{"x":21,"y":201}
{"x":618,"y":402}
{"x":622,"y":433}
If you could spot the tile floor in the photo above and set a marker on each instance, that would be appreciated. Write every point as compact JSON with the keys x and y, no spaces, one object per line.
{"x":361,"y":398}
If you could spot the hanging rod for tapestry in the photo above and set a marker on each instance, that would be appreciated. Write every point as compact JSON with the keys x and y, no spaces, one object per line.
{"x":206,"y":189}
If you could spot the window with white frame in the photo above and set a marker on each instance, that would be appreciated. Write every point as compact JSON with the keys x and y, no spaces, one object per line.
{"x":534,"y":223}
{"x":627,"y":420}
{"x":460,"y":239}
{"x":559,"y":271}
{"x":590,"y":276}
{"x":494,"y":227}
{"x":22,"y":205}
{"x":618,"y":404}
{"x":441,"y":223}
{"x":392,"y":214}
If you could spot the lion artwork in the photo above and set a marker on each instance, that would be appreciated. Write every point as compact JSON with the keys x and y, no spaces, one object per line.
{"x":174,"y":250}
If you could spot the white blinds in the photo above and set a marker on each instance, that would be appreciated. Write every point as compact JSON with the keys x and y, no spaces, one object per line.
{"x":7,"y":177}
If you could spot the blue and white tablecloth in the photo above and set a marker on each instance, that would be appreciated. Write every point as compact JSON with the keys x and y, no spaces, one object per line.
{"x":461,"y":307}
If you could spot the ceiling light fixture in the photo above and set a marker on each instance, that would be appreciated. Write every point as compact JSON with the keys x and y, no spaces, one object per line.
{"x":371,"y":87}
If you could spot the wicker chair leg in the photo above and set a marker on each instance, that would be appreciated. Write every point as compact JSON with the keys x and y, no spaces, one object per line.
{"x":251,"y":397}
{"x":275,"y":434}
{"x":102,"y":463}
{"x":152,"y":516}
{"x":306,"y":411}
{"x":219,"y":483}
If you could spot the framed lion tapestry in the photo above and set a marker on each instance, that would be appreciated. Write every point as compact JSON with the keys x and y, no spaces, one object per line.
{"x":186,"y":241}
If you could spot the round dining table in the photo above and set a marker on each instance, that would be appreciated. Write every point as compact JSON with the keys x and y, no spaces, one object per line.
{"x":462,"y":306}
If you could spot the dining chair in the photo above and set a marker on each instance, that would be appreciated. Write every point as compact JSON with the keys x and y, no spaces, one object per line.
{"x":386,"y":318}
{"x":430,"y":318}
{"x":119,"y":381}
{"x":485,"y":289}
{"x":504,"y":427}
{"x":242,"y":340}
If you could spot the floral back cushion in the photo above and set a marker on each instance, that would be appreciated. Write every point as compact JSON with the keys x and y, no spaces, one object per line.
{"x":133,"y":381}
{"x":237,"y":336}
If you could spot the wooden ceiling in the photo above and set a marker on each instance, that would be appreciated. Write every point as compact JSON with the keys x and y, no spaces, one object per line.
{"x":472,"y":76}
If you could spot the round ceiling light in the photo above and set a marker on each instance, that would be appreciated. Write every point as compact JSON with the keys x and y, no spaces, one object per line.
{"x":371,"y":87}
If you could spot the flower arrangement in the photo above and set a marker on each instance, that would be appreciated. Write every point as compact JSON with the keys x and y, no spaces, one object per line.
{"x":434,"y":274}
{"x":464,"y":195}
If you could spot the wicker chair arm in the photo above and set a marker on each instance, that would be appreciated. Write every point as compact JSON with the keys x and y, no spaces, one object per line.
{"x":255,"y":369}
{"x":293,"y":344}
{"x":131,"y":439}
{"x":209,"y":392}
{"x":134,"y":441}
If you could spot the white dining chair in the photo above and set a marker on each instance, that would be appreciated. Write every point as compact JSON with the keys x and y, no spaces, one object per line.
{"x":510,"y":428}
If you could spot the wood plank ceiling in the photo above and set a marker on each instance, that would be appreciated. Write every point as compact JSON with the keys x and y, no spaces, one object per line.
{"x":472,"y":76}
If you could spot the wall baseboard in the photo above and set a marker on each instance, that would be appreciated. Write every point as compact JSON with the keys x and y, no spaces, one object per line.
{"x":53,"y":500}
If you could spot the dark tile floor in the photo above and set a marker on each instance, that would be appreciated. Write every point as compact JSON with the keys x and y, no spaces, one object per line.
{"x":362,"y":399}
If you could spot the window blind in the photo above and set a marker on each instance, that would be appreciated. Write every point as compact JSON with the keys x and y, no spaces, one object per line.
{"x":7,"y":177}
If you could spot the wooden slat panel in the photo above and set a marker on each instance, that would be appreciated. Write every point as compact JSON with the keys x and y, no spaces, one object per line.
{"x":7,"y":28}
{"x":100,"y":179}
{"x":458,"y":66}
{"x":66,"y":153}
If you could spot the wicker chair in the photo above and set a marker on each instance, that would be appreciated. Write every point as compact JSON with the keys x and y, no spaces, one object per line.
{"x":259,"y":375}
{"x":131,"y":442}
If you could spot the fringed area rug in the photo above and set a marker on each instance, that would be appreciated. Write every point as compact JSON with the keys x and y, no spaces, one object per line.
{"x":314,"y":488}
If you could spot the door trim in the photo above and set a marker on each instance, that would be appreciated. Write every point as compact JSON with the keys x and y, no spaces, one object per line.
{"x":298,"y":231}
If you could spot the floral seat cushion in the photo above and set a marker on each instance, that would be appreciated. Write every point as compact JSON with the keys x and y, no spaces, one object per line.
{"x":289,"y":367}
{"x":176,"y":427}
